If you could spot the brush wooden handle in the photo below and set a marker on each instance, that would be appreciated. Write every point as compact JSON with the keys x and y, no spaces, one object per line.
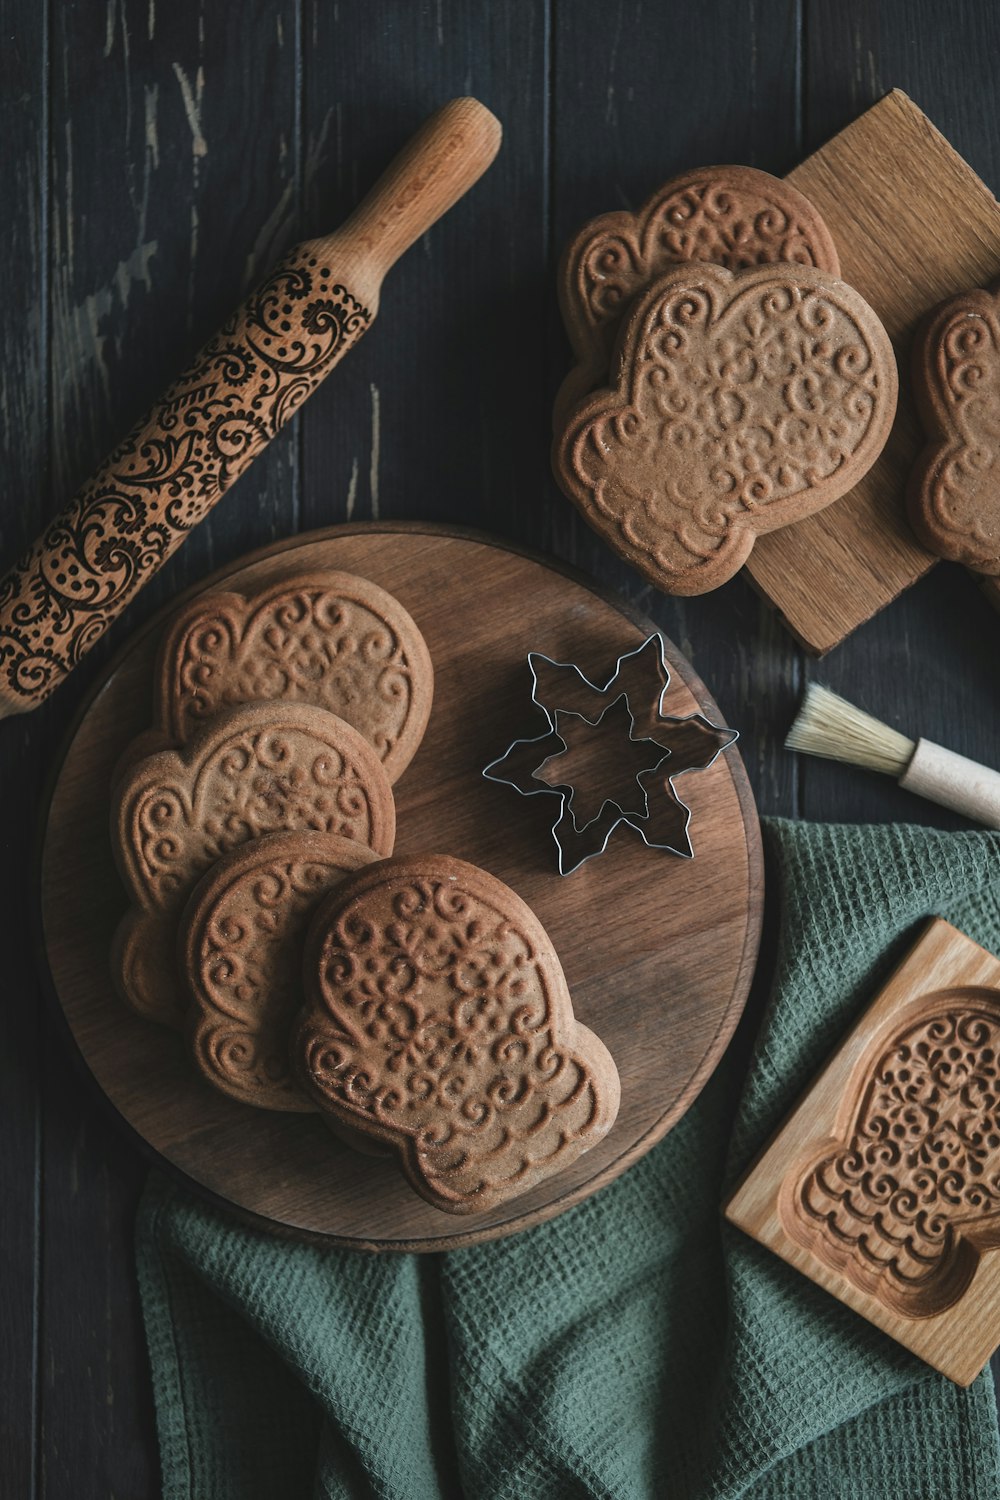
{"x":954,"y":781}
{"x":237,"y":393}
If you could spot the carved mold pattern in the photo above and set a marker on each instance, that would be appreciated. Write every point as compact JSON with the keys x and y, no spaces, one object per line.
{"x":332,"y":640}
{"x":170,"y":470}
{"x":441,"y":1025}
{"x":177,"y":813}
{"x":903,"y":1205}
{"x":734,"y":217}
{"x":955,"y":492}
{"x":744,"y":403}
{"x":243,"y":945}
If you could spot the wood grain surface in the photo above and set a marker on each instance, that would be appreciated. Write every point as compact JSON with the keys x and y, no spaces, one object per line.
{"x":658,"y":951}
{"x":913,"y":225}
{"x":126,"y":127}
{"x":892,"y":1137}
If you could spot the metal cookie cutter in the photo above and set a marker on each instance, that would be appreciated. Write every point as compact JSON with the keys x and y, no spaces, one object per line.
{"x":610,"y":754}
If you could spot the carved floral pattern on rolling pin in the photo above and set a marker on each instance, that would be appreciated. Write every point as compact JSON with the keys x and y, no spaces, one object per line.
{"x":439,"y":1022}
{"x":170,"y":470}
{"x":903,"y":1206}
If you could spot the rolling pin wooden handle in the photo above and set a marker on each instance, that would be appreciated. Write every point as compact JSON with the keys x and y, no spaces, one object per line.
{"x":954,"y":781}
{"x":240,"y":390}
{"x":442,"y":161}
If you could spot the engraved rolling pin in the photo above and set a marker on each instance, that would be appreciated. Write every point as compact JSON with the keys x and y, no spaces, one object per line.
{"x":829,"y":726}
{"x":238,"y":392}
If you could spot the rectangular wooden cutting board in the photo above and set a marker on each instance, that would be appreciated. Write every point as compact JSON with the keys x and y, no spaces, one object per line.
{"x":913,"y":224}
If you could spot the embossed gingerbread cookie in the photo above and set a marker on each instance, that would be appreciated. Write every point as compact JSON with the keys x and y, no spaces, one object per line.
{"x":743,"y":402}
{"x":240,"y":950}
{"x":327,"y":638}
{"x":438,"y":1023}
{"x":732,"y":216}
{"x":954,"y":491}
{"x":265,"y":768}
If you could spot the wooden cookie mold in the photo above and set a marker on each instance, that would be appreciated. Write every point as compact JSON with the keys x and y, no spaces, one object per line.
{"x":883,"y":1185}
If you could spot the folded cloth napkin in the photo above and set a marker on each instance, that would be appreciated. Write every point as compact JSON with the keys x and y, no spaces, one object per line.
{"x":636,"y":1346}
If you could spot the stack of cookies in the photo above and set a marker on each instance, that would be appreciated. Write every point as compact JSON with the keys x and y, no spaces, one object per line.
{"x":727,"y":381}
{"x":417,"y":1003}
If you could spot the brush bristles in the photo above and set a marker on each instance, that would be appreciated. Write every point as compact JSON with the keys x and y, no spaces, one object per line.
{"x":828,"y":725}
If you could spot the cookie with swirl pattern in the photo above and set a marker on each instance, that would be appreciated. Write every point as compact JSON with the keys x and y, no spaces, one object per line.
{"x":902,"y":1199}
{"x":438,"y":1023}
{"x":326,"y":637}
{"x":953,"y":496}
{"x":731,"y":216}
{"x":240,"y":952}
{"x":742,"y":402}
{"x":281,"y":768}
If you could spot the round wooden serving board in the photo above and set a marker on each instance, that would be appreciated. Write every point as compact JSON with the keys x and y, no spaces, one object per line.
{"x":658,"y":951}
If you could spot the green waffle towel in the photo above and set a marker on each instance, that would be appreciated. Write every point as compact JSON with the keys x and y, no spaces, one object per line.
{"x":637,"y":1346}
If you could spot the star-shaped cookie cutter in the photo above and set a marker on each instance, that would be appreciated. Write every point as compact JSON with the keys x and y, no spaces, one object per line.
{"x":660,"y":817}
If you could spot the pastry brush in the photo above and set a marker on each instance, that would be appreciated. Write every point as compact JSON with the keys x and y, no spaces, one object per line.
{"x":827,"y":725}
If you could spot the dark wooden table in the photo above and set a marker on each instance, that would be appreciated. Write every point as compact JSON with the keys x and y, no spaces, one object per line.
{"x":155,"y":158}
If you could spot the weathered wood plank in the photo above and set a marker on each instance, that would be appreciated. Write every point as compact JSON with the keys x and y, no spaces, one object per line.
{"x":23,"y":445}
{"x":96,"y":1402}
{"x":441,"y":413}
{"x":172,"y":190}
{"x":855,"y":52}
{"x":641,"y":93}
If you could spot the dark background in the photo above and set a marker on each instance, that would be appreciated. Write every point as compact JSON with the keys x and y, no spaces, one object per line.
{"x":155,"y":157}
